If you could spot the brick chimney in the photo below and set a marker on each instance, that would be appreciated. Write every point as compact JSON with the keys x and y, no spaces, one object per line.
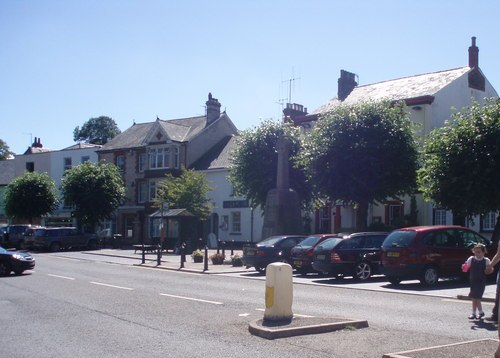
{"x":346,"y":84}
{"x":213,"y":109}
{"x":473,"y":54}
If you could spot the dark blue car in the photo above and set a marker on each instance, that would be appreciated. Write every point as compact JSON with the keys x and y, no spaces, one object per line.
{"x":272,"y":249}
{"x":17,"y":261}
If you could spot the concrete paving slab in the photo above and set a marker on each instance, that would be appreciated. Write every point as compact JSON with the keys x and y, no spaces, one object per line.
{"x":301,"y":326}
{"x":480,"y":348}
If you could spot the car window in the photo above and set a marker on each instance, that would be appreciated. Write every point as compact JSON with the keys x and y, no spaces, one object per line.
{"x":399,"y":238}
{"x":468,"y":238}
{"x":351,"y":243}
{"x":290,"y":242}
{"x":310,"y":241}
{"x":373,"y":242}
{"x":328,"y":244}
{"x":270,"y":241}
{"x":441,"y":238}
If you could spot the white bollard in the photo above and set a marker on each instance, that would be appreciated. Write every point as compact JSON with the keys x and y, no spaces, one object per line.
{"x":279,"y":292}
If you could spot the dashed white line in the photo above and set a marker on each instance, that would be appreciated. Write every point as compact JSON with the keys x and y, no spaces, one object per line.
{"x":63,"y":277}
{"x":112,"y":286}
{"x":192,"y":299}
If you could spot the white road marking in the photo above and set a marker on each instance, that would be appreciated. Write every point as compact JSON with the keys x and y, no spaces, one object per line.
{"x":113,"y":286}
{"x":244,"y":314}
{"x":192,"y":299}
{"x":64,"y":277}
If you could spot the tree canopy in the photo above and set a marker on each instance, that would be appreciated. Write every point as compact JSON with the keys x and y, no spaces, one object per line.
{"x":188,"y":191}
{"x":30,"y":196}
{"x":461,"y":161}
{"x":94,"y":189}
{"x":96,"y":131}
{"x":5,"y":152}
{"x":254,"y":162}
{"x":362,"y":153}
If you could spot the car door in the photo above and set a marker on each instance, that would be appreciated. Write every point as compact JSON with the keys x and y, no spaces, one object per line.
{"x":443,"y":250}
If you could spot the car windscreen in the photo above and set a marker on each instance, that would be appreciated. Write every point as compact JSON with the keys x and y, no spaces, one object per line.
{"x":270,"y":241}
{"x":2,"y":250}
{"x":328,"y":244}
{"x":310,"y":241}
{"x":399,"y":238}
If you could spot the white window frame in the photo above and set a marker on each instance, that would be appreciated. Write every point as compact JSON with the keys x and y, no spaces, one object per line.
{"x":439,"y":217}
{"x":152,"y":190}
{"x":236,"y":221}
{"x":489,"y":221}
{"x":143,"y":158}
{"x":142,"y":192}
{"x":120,"y":163}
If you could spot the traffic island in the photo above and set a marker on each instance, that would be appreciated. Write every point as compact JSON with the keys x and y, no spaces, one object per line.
{"x":300,"y":325}
{"x":481,"y":348}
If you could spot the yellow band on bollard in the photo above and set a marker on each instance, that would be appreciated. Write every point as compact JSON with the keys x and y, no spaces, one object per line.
{"x":269,"y":297}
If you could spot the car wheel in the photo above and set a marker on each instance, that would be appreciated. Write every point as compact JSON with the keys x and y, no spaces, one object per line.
{"x":394,"y":280}
{"x":54,"y":247}
{"x":362,"y":271}
{"x":4,"y":269}
{"x":260,"y":269}
{"x":430,"y":276}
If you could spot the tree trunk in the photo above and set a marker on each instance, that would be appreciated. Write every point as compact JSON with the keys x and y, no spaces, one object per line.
{"x":361,"y":216}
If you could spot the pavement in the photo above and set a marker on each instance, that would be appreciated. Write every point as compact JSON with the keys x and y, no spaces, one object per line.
{"x":307,"y":325}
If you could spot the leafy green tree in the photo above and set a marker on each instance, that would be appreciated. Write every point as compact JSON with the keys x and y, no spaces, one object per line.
{"x":187,"y":191}
{"x":30,"y":196}
{"x":96,"y":130}
{"x":94,"y":189}
{"x":362,"y":153}
{"x":461,"y":162}
{"x":5,"y":152}
{"x":254,"y":163}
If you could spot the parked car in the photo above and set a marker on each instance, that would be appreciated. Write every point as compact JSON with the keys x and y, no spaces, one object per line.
{"x":27,"y":242}
{"x":429,"y":252}
{"x":14,"y":235}
{"x":272,"y":249}
{"x":16,"y":261}
{"x":302,"y":253}
{"x":356,"y":255}
{"x":59,"y":238}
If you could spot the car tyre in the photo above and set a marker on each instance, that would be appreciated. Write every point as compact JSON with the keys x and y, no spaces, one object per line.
{"x":430,"y":276}
{"x":260,"y":269}
{"x":54,"y":247}
{"x":4,"y":269}
{"x":362,"y":271}
{"x":394,"y":280}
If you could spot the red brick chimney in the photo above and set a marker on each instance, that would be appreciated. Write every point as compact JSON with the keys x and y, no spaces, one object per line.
{"x":473,"y":54}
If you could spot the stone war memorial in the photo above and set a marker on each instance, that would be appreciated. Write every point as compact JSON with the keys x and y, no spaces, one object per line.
{"x":282,"y":211}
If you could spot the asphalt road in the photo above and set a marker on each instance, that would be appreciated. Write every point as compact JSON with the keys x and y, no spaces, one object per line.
{"x":71,"y":307}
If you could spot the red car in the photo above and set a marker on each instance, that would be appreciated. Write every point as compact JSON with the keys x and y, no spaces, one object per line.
{"x":429,"y":252}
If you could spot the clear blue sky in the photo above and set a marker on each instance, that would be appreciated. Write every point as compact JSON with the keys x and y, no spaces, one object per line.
{"x":65,"y":61}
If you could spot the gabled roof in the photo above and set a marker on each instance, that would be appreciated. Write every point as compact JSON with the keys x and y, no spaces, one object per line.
{"x":7,"y":171}
{"x":218,"y":157}
{"x":419,"y":86}
{"x":141,"y":134}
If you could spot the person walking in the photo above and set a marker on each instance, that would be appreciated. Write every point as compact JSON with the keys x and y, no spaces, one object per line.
{"x":478,"y":266}
{"x":494,"y":312}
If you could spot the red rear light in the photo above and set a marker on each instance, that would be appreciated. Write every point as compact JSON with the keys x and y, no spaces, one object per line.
{"x":260,"y":253}
{"x":310,"y":252}
{"x":334,"y":257}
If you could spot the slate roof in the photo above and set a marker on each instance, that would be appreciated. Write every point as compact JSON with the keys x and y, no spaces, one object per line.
{"x":82,"y":146}
{"x":218,"y":157}
{"x":179,"y":130}
{"x":398,"y":89}
{"x":7,"y":172}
